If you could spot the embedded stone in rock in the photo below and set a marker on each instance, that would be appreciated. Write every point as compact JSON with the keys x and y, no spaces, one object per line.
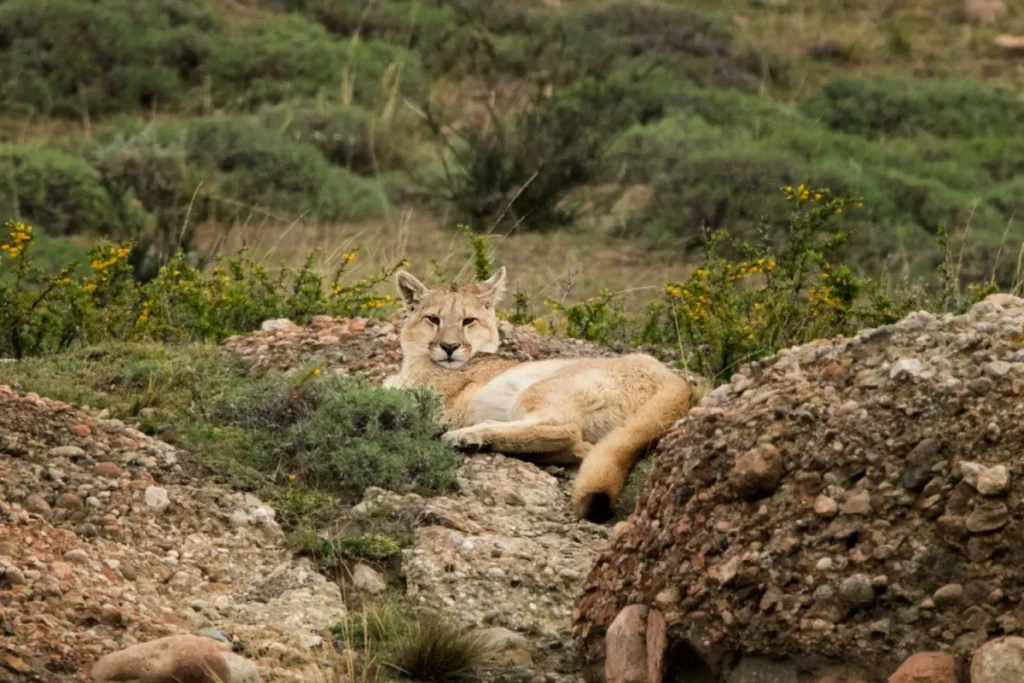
{"x":626,"y":648}
{"x":826,"y":507}
{"x":242,"y":670}
{"x":184,"y":659}
{"x":994,"y":481}
{"x":157,"y":499}
{"x":277,"y":325}
{"x":368,"y":580}
{"x":108,"y":469}
{"x":37,"y":504}
{"x":66,"y":452}
{"x":949,"y":595}
{"x":919,"y":464}
{"x":999,"y":661}
{"x":988,"y":517}
{"x":926,"y":667}
{"x":756,"y":472}
{"x":857,"y":590}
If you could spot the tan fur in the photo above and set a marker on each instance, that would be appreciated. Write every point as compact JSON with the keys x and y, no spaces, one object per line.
{"x":600,"y":412}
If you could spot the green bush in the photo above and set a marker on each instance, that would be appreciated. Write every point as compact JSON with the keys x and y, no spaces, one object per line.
{"x":522,"y":170}
{"x":77,"y":57}
{"x":62,"y":193}
{"x":254,"y":166}
{"x":881,"y":106}
{"x":350,"y":137}
{"x":293,"y":57}
{"x":343,"y":437}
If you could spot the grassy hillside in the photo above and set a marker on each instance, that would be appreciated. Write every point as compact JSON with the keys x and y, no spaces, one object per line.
{"x":593,"y":141}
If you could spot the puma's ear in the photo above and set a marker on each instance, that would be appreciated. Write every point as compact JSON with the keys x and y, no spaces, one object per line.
{"x":411,"y":289}
{"x":493,"y":289}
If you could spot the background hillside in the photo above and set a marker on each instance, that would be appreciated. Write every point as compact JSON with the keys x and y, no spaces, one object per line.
{"x":599,"y":137}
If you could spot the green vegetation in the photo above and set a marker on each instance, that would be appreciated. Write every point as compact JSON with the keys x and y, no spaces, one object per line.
{"x":311,"y":440}
{"x":388,"y":640}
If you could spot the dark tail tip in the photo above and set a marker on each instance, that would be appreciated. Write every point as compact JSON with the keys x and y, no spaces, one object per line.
{"x":597,"y":508}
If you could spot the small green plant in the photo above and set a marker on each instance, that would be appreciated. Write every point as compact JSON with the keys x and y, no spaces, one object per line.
{"x":370,"y":546}
{"x":600,"y":318}
{"x":436,"y":649}
{"x":483,"y":261}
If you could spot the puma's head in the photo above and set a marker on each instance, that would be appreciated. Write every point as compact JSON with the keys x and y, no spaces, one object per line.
{"x":452,"y":323}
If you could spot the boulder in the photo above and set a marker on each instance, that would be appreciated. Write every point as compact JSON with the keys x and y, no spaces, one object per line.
{"x":822,"y":516}
{"x":183,"y":659}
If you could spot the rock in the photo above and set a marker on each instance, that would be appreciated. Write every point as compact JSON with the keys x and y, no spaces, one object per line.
{"x":657,"y":646}
{"x":949,"y":595}
{"x":905,"y":367}
{"x":66,"y":452}
{"x":858,"y":504}
{"x":184,"y":659}
{"x":999,"y":661}
{"x":994,"y":481}
{"x":242,"y":670}
{"x":626,"y":648}
{"x":157,"y":499}
{"x":809,"y":582}
{"x":500,"y":639}
{"x":108,"y":469}
{"x":762,"y":670}
{"x":368,"y":580}
{"x":277,"y":325}
{"x":756,"y":472}
{"x":35,"y":503}
{"x":984,"y":11}
{"x":926,"y":667}
{"x":857,"y":590}
{"x":988,"y":517}
{"x":826,"y":507}
{"x":667,"y":597}
{"x":69,"y":501}
{"x":14,"y":576}
{"x":78,"y":556}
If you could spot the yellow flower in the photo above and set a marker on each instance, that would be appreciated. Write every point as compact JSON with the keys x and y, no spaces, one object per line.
{"x":316,"y":372}
{"x":350,"y":257}
{"x":89,"y":287}
{"x":291,"y":477}
{"x":673,"y":291}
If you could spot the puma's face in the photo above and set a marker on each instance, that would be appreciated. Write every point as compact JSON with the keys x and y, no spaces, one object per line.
{"x":452,"y":323}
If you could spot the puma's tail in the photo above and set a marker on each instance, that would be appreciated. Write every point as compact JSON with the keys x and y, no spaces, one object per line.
{"x":606,"y":467}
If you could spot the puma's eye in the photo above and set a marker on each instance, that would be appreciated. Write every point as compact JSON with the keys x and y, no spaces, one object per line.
{"x":433,"y":320}
{"x":466,"y":322}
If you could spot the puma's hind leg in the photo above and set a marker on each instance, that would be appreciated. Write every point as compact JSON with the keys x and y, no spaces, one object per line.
{"x":531,"y":438}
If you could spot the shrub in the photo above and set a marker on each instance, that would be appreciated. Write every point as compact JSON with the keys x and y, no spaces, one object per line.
{"x":294,"y":57}
{"x":370,"y":546}
{"x":61,"y":192}
{"x":730,"y":312}
{"x":77,"y":57}
{"x":45,"y":312}
{"x":350,"y":137}
{"x":890,"y":106}
{"x":438,"y":650}
{"x":256,"y":166}
{"x":522,"y":170}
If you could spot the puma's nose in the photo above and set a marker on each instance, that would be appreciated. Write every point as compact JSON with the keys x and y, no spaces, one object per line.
{"x":449,"y":348}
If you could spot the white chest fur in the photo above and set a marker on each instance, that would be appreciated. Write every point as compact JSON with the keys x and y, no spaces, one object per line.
{"x":497,"y":399}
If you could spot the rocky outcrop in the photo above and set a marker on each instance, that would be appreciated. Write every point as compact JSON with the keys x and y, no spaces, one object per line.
{"x":106,"y":541}
{"x":847,"y":504}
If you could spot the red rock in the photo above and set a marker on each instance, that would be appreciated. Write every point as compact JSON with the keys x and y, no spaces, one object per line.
{"x":108,"y":469}
{"x":626,"y":648}
{"x":185,"y":659}
{"x":926,"y":667}
{"x":657,"y":644}
{"x":69,"y":501}
{"x":82,"y":430}
{"x":756,"y":472}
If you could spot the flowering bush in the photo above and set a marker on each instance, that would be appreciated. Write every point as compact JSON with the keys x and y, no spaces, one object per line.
{"x":43,"y":312}
{"x":732,"y":311}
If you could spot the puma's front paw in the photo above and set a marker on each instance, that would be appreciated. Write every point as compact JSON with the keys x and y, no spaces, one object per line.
{"x":464,"y":439}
